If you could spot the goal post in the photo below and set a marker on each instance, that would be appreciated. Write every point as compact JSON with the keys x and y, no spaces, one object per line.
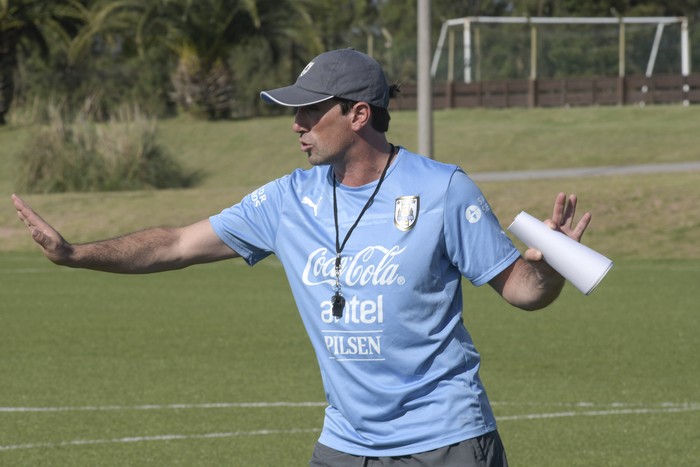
{"x":469,"y":37}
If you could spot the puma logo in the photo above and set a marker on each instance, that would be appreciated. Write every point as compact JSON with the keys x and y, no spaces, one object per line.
{"x":307,"y":201}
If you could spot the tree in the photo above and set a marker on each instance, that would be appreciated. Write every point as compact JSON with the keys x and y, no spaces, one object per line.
{"x":203,"y":33}
{"x":27,"y":23}
{"x":61,"y":32}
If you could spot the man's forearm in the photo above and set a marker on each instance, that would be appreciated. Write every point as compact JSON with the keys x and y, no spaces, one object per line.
{"x":532,"y":285}
{"x":544,"y":282}
{"x":151,"y":250}
{"x":140,"y":252}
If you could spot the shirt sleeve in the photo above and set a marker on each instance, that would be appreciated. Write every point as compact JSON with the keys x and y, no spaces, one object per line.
{"x":250,"y":227}
{"x":474,"y":239}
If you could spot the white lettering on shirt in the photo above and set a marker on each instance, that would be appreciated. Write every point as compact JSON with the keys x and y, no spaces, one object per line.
{"x":373,"y":265}
{"x":349,"y":347}
{"x":258,"y":197}
{"x":356,"y":311}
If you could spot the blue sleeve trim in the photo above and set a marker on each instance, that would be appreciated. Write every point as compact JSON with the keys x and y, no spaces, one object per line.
{"x":497,"y":269}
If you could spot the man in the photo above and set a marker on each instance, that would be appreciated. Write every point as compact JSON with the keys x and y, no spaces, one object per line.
{"x":374,"y":241}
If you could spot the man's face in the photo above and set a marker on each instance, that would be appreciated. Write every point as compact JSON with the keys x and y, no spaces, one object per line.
{"x":324,"y":132}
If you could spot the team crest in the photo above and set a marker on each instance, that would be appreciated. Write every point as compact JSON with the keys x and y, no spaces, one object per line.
{"x":406,"y":212}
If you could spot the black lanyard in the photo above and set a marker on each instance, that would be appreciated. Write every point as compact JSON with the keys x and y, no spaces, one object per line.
{"x":338,"y":301}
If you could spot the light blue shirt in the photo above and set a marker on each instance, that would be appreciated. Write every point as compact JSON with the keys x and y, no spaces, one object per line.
{"x":399,"y":369}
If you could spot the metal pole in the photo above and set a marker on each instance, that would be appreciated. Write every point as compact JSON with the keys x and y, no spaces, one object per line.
{"x":533,"y":52}
{"x":467,"y":40}
{"x":425,"y":91}
{"x":621,"y":80}
{"x":450,"y":85}
{"x":654,"y":50}
{"x":685,"y":48}
{"x":451,"y":56}
{"x":621,"y":51}
{"x":532,"y":83}
{"x":477,"y":53}
{"x":438,"y":49}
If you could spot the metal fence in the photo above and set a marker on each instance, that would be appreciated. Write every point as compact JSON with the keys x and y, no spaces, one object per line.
{"x":629,"y":90}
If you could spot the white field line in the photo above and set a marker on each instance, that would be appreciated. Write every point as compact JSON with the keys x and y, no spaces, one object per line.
{"x":141,"y":439}
{"x":595,"y":413}
{"x":123,"y":408}
{"x":612,"y":409}
{"x":246,"y":405}
{"x":583,"y":404}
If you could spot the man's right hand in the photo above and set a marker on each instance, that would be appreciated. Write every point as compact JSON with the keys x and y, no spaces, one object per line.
{"x":54,"y":246}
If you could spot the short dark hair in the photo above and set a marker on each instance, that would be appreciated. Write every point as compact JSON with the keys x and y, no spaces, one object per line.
{"x":380,"y":116}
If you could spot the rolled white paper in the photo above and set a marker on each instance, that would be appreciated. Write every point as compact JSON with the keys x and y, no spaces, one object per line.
{"x":579,"y":264}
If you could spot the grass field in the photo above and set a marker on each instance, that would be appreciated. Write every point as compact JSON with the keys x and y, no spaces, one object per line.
{"x":211,"y":366}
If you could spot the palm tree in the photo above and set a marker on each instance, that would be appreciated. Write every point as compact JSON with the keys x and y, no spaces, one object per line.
{"x":44,"y":26}
{"x":24,"y":23}
{"x":203,"y":33}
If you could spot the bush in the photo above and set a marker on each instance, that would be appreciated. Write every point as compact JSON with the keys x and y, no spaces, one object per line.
{"x":121,"y":154}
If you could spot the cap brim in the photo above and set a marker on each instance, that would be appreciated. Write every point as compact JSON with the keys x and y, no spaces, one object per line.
{"x":293,"y":96}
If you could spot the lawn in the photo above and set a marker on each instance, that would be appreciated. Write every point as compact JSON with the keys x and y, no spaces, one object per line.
{"x":211,"y":366}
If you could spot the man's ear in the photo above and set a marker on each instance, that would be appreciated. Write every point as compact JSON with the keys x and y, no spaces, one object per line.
{"x":361,"y":115}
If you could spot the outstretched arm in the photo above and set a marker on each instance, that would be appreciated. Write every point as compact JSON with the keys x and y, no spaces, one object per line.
{"x":150,"y":250}
{"x":530,"y":283}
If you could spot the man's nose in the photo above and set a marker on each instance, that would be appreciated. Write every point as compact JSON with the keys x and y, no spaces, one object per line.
{"x":299,"y":125}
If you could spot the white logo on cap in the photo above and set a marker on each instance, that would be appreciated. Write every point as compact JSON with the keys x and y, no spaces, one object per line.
{"x":306,"y":69}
